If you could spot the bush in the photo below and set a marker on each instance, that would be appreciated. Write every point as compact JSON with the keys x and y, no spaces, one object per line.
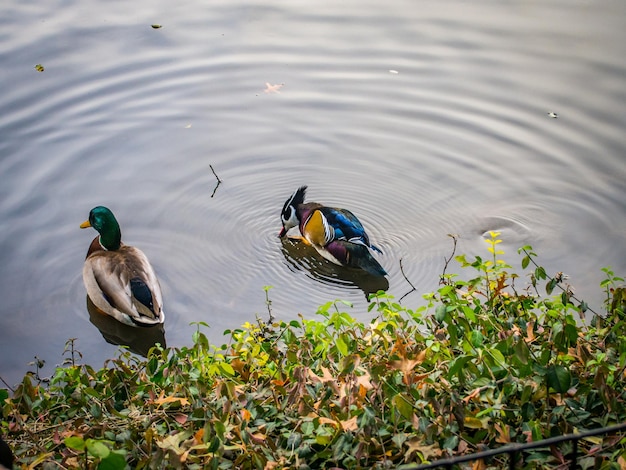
{"x":484,"y":363}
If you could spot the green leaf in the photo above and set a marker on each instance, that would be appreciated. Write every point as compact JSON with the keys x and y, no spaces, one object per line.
{"x":540,"y":273}
{"x":214,"y":445}
{"x":469,"y":314}
{"x":440,"y":312}
{"x":342,"y":347}
{"x":525,"y":262}
{"x":226,"y":368}
{"x":75,"y":442}
{"x":403,"y":406}
{"x":497,"y":357}
{"x":551,"y":284}
{"x":558,"y":378}
{"x":476,"y":338}
{"x":521,"y":351}
{"x":116,"y":460}
{"x":97,"y":448}
{"x":458,"y":365}
{"x":451,"y":442}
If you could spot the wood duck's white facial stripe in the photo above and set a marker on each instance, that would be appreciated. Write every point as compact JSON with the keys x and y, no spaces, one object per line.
{"x":289,"y":217}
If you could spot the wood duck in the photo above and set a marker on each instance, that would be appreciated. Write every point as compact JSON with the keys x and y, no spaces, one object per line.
{"x":335,"y":233}
{"x":119,"y":278}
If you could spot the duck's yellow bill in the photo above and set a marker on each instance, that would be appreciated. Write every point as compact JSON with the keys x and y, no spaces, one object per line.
{"x":85,"y":224}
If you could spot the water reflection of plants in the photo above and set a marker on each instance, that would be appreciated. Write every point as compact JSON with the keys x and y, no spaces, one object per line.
{"x":485,"y":363}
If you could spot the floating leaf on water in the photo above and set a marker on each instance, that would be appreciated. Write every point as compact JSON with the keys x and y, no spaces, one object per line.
{"x":269,"y":88}
{"x":157,"y":26}
{"x":553,"y":115}
{"x":39,"y":68}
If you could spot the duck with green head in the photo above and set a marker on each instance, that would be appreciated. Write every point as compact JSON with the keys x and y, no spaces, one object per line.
{"x":119,"y":278}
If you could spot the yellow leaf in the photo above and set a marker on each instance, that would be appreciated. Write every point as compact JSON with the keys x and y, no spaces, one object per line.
{"x":427,"y":451}
{"x":199,"y":436}
{"x":350,"y":425}
{"x":473,"y":423}
{"x":530,"y":332}
{"x":163,"y":400}
{"x":479,"y":465}
{"x":474,"y":394}
{"x":43,"y":458}
{"x":324,"y":420}
{"x":503,"y":434}
{"x":364,"y":381}
{"x":246,"y":415}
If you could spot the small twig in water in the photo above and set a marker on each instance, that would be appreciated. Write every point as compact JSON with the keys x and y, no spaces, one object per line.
{"x":413,"y":289}
{"x":6,"y":384}
{"x":442,"y":279}
{"x":217,"y":177}
{"x":268,"y":302}
{"x":219,"y":181}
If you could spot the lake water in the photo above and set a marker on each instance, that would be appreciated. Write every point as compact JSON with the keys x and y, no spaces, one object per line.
{"x":423,"y":117}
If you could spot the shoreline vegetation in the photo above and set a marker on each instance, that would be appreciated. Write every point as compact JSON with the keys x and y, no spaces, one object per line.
{"x":497,"y":359}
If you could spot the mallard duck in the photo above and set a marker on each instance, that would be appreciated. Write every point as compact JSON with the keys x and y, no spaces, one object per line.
{"x":335,"y":233}
{"x":119,"y":278}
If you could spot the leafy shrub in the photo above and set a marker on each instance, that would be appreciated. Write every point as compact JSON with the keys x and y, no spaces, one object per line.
{"x":482,"y":364}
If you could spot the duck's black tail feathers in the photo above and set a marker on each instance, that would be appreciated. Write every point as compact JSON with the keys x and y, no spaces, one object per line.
{"x":359,"y":256}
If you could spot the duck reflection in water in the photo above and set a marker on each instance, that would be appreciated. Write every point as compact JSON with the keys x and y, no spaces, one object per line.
{"x":303,"y":257}
{"x":138,"y":340}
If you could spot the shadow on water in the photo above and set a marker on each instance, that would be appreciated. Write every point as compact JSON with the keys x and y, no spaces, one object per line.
{"x":138,"y":340}
{"x":302,"y":257}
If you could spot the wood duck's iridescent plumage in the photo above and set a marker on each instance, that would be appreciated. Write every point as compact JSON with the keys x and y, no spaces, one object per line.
{"x":335,"y":233}
{"x":119,"y":278}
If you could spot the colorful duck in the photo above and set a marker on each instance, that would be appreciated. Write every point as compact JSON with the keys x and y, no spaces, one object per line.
{"x":335,"y":233}
{"x":119,"y":278}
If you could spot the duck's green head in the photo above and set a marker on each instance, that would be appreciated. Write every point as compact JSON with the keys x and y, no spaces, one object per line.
{"x":103,"y":220}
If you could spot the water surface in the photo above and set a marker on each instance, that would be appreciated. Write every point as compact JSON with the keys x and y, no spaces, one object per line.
{"x":423,"y":118}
